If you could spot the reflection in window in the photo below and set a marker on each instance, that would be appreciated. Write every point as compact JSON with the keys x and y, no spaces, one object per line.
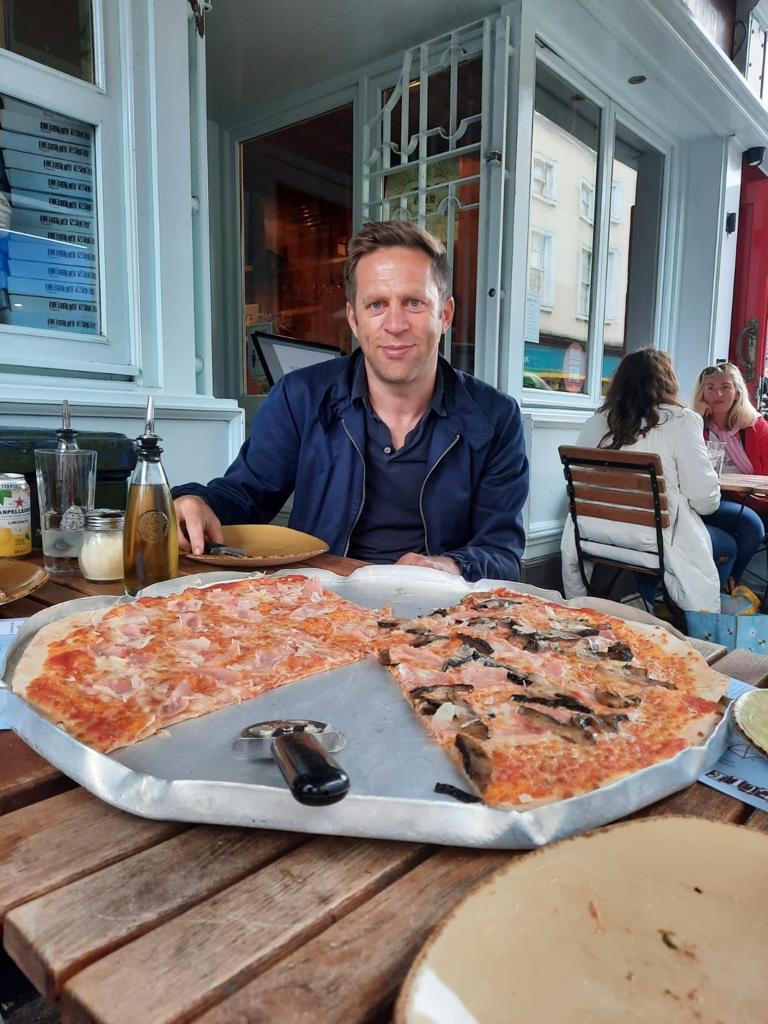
{"x":441,"y":176}
{"x":587,"y":202}
{"x":543,"y":181}
{"x":48,"y":257}
{"x":585,"y":282}
{"x":566,"y":129}
{"x":540,"y":280}
{"x":296,"y":221}
{"x":633,"y":242}
{"x":57,"y":33}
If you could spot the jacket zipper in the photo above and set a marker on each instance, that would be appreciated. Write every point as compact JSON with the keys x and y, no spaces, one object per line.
{"x":362,"y":503}
{"x":421,"y":495}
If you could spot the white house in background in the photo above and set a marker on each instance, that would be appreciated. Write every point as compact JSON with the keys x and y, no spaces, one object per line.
{"x":579,"y":158}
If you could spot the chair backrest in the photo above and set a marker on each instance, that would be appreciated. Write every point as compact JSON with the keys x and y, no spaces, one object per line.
{"x":627,"y":487}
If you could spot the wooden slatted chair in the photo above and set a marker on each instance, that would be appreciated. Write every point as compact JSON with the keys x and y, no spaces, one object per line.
{"x":625,"y":487}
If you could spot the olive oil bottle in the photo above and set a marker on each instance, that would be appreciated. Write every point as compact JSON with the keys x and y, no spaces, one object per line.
{"x":150,"y":539}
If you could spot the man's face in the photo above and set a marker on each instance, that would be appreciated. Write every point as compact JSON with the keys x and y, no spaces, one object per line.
{"x":398,"y":315}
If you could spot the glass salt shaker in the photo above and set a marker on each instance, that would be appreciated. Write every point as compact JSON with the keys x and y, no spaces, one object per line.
{"x":101,"y":550}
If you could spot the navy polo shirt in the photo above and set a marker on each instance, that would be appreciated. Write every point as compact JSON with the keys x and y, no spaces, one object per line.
{"x":390,"y":523}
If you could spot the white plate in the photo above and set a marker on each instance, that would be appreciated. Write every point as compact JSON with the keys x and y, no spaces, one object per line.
{"x":653,"y":921}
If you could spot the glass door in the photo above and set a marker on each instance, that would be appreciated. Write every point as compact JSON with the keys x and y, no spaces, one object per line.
{"x":296,"y":218}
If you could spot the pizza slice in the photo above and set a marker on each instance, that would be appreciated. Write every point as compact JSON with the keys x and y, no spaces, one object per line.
{"x":537,"y":702}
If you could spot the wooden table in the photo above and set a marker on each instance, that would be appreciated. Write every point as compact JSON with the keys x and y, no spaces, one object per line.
{"x":121,"y":920}
{"x":744,"y":483}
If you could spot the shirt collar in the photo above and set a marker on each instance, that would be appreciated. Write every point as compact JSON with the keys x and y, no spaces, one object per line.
{"x":359,"y":393}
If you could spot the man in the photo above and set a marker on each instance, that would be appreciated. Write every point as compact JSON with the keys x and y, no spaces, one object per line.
{"x":392,"y":456}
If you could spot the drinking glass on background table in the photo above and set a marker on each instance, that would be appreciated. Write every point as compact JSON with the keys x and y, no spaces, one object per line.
{"x":66,"y":485}
{"x":716,"y":453}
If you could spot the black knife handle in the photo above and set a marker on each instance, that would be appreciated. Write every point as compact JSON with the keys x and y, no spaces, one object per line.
{"x":312,"y":774}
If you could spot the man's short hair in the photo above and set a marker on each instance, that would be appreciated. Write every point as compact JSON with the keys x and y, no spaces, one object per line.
{"x":386,"y":234}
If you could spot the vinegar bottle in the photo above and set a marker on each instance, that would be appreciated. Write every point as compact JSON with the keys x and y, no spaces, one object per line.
{"x":150,"y":540}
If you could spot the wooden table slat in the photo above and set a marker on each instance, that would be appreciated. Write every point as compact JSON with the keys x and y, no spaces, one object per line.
{"x":190,"y":962}
{"x":352,"y":971}
{"x":56,"y":841}
{"x":700,"y":801}
{"x":758,"y":821}
{"x":53,"y":936}
{"x":26,"y":777}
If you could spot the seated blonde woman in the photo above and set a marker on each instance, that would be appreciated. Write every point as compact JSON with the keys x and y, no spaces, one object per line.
{"x":642,"y":412}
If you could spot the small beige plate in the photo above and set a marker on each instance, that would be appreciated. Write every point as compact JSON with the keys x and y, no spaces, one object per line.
{"x":656,"y":921}
{"x":266,"y":545}
{"x":750,"y":713}
{"x":19,"y":578}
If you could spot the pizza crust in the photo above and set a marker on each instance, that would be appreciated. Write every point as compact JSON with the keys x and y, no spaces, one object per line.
{"x":32,"y":661}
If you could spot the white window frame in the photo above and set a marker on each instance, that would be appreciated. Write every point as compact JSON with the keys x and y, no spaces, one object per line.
{"x":101,"y":104}
{"x":549,"y":193}
{"x":584,"y":282}
{"x":612,"y":286}
{"x":546,"y":294}
{"x":587,"y":209}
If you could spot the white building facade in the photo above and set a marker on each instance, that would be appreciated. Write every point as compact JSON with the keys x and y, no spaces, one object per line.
{"x":580,"y":167}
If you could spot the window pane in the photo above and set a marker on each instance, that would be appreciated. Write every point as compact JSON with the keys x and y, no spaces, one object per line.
{"x":57,"y":33}
{"x":48,"y":263}
{"x":566,"y":129}
{"x":633,"y":248}
{"x":296,"y":220}
{"x":450,"y":186}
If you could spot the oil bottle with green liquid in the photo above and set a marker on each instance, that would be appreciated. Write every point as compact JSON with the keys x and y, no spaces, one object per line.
{"x":150,"y":540}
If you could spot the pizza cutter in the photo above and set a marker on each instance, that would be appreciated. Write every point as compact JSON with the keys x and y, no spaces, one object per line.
{"x":301,"y":748}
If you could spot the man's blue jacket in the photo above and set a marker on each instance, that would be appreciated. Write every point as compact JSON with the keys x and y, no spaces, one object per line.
{"x":309,"y":438}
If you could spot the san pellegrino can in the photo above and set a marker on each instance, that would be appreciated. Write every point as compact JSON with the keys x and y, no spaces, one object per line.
{"x":15,"y":516}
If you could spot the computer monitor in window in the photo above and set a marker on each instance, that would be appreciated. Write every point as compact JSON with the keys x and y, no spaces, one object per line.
{"x":280,"y":355}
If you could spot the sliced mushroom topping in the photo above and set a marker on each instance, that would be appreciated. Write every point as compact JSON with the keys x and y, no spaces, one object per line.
{"x":617,"y":700}
{"x":635,"y":674}
{"x":620,"y":652}
{"x":477,"y":763}
{"x":476,"y":643}
{"x":475,"y":728}
{"x":439,"y":611}
{"x":495,"y":603}
{"x":427,"y":699}
{"x":385,"y":658}
{"x":387,"y":623}
{"x":427,"y":638}
{"x":576,"y":627}
{"x":559,"y":700}
{"x":416,"y":630}
{"x":607,"y":723}
{"x":575,"y":731}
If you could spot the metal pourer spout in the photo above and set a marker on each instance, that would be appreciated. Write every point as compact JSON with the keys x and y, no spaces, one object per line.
{"x":148,"y":443}
{"x":65,"y":433}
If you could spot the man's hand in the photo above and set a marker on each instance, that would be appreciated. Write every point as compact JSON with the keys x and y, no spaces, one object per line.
{"x":441,"y":562}
{"x":197,"y":522}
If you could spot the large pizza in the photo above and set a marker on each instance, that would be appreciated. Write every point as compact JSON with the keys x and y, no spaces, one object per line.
{"x":533,"y":700}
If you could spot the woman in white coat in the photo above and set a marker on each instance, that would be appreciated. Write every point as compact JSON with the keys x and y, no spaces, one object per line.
{"x":642,"y":413}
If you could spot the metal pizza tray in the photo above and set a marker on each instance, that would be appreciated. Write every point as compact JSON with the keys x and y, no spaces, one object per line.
{"x":191,"y":773}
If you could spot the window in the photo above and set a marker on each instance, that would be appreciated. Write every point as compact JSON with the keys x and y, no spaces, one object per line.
{"x":616,"y":201}
{"x":543,"y":184}
{"x":566,"y":126}
{"x":540,"y":276}
{"x":296,"y":219}
{"x":756,"y":55}
{"x":65,"y":246}
{"x":586,"y":201}
{"x":57,"y":33}
{"x":584,"y":288}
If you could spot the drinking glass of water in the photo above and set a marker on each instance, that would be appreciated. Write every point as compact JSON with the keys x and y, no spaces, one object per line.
{"x":66,"y":485}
